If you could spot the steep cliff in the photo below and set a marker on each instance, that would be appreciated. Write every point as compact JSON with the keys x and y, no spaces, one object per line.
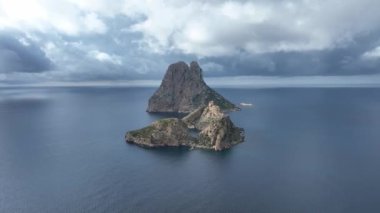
{"x":216,"y":128}
{"x":184,"y":90}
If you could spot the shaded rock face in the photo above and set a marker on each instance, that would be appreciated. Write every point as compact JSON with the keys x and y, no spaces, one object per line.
{"x":183,"y":90}
{"x":215,"y":130}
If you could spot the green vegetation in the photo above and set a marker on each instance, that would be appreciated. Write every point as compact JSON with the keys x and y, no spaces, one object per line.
{"x":165,"y":122}
{"x":144,"y":132}
{"x":147,"y":131}
{"x":211,"y":95}
{"x":222,"y":103}
{"x":197,"y":99}
{"x":204,"y":140}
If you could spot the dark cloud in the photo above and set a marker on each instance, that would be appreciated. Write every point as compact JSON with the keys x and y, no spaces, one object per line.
{"x":21,"y":55}
{"x":343,"y":60}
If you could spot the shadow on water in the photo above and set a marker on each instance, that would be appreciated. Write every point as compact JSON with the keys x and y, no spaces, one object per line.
{"x":165,"y":151}
{"x":217,"y":155}
{"x":182,"y":151}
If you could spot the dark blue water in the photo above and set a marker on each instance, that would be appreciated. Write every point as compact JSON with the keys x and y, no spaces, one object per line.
{"x":306,"y":150}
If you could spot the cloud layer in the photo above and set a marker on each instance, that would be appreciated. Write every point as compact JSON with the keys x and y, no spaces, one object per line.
{"x":20,"y":55}
{"x":42,"y":40}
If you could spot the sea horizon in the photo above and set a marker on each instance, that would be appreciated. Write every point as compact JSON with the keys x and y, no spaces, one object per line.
{"x":226,"y":82}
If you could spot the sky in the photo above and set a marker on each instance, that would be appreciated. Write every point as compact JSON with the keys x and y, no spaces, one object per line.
{"x":100,"y":40}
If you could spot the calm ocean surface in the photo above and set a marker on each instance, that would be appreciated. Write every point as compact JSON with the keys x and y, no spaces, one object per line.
{"x":306,"y":150}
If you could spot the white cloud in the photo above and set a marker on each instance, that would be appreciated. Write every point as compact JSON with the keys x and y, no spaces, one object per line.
{"x":105,"y":57}
{"x":49,"y":16}
{"x":103,"y":7}
{"x":92,"y":23}
{"x":372,"y":54}
{"x":205,"y":28}
{"x":218,"y":28}
{"x":24,"y":41}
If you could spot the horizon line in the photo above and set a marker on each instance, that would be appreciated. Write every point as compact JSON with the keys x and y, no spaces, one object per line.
{"x":241,"y":81}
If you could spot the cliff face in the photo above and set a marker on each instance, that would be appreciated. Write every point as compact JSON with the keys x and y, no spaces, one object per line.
{"x":184,"y":90}
{"x":214,"y":130}
{"x":203,"y":116}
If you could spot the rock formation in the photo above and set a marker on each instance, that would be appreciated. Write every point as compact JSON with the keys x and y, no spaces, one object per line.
{"x":216,"y":128}
{"x":164,"y":132}
{"x":183,"y":90}
{"x":213,"y":130}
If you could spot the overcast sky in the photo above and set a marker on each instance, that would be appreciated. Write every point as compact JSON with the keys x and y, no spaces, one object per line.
{"x":86,"y":40}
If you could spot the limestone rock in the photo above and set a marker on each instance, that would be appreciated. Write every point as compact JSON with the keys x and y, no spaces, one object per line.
{"x":183,"y":90}
{"x":202,"y":116}
{"x":216,"y":128}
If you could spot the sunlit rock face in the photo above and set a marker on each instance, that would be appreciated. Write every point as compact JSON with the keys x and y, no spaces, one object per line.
{"x":216,"y":128}
{"x":183,"y":90}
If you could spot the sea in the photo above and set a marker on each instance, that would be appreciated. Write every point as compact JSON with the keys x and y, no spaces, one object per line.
{"x":62,"y":149}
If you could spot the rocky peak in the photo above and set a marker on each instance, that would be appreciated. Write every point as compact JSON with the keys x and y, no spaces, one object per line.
{"x":184,"y":90}
{"x":212,"y":111}
{"x":203,"y":116}
{"x":196,"y":69}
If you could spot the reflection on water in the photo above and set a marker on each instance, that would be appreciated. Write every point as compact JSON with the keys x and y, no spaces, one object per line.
{"x":306,"y":150}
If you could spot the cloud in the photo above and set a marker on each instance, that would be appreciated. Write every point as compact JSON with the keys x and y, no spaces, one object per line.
{"x":295,"y":81}
{"x":21,"y":55}
{"x":104,"y":57}
{"x":372,"y":54}
{"x":220,"y":28}
{"x":92,"y":23}
{"x":69,"y":40}
{"x":212,"y":67}
{"x":205,"y":28}
{"x":46,"y":16}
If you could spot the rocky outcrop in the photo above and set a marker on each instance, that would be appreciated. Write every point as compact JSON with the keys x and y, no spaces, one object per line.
{"x":216,"y":128}
{"x":203,"y":116}
{"x":183,"y":90}
{"x":164,"y":132}
{"x":213,"y":130}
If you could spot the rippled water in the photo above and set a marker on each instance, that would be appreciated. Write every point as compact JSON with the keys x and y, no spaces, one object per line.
{"x":306,"y":150}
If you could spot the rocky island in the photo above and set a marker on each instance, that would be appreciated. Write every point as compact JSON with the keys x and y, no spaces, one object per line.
{"x":207,"y":124}
{"x":207,"y":127}
{"x":183,"y":90}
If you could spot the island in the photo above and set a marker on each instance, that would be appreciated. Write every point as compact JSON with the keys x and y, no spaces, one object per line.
{"x":183,"y":90}
{"x":206,"y":125}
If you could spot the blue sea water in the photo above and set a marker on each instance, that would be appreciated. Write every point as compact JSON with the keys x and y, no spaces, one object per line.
{"x":306,"y":150}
